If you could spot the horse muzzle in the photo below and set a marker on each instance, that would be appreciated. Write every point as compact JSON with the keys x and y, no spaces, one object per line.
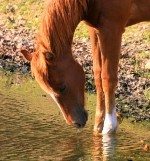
{"x":79,"y":118}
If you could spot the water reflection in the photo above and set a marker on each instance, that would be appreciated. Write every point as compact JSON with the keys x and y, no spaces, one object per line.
{"x":104,"y":147}
{"x":109,"y":144}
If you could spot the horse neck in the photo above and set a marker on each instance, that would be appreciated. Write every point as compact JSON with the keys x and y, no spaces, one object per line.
{"x":59,"y":22}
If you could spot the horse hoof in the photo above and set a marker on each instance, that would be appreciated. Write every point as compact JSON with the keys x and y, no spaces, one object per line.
{"x":110,"y":123}
{"x":98,"y":128}
{"x":109,"y":130}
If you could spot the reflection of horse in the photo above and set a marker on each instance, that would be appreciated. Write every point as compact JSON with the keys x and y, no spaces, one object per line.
{"x":61,"y":76}
{"x":104,"y":147}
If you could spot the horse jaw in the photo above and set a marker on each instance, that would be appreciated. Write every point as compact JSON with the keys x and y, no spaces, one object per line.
{"x":65,"y":117}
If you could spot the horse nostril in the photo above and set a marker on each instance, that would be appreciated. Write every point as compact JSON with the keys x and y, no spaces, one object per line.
{"x":77,"y":125}
{"x":62,"y":88}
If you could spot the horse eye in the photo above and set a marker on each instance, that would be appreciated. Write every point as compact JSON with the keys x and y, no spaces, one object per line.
{"x":49,"y":56}
{"x":61,"y":89}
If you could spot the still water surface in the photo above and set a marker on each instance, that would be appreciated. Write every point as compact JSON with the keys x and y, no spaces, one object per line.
{"x":32,"y":129}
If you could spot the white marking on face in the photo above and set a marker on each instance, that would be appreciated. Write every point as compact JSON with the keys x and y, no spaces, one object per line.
{"x":52,"y":95}
{"x":110,"y":123}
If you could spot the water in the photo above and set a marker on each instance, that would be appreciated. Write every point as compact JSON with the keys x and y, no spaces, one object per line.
{"x":32,"y":129}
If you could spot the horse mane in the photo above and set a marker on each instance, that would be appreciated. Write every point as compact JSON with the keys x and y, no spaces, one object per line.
{"x":59,"y":20}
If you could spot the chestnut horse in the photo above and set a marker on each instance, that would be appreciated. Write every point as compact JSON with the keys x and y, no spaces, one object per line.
{"x":55,"y":69}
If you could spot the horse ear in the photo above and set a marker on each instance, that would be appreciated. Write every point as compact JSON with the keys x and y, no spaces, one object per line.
{"x":26,"y":54}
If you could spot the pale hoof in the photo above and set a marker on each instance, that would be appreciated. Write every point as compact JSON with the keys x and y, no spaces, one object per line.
{"x":110,"y":129}
{"x":110,"y":123}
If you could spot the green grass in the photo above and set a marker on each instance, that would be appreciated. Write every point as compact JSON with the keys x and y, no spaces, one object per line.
{"x":146,"y":36}
{"x":81,"y":31}
{"x":147,"y":93}
{"x":22,"y":83}
{"x":27,"y":10}
{"x":140,"y":64}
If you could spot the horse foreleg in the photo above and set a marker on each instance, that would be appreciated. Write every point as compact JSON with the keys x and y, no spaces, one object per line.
{"x":100,"y":107}
{"x":110,"y":42}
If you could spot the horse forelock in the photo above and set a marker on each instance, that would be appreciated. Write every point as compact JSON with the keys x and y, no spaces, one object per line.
{"x":59,"y":20}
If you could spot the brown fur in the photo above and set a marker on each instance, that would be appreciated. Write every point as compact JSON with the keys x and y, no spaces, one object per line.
{"x":52,"y":36}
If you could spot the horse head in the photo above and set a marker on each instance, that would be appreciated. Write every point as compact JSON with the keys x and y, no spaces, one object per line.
{"x":63,"y":79}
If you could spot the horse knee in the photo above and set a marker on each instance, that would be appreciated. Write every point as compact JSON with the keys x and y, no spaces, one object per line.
{"x":97,"y":77}
{"x":109,"y":83}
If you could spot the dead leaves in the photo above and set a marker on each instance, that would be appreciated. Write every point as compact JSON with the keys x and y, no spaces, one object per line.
{"x":145,"y":146}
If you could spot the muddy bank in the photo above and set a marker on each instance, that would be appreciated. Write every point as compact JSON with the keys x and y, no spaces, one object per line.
{"x":132,"y":99}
